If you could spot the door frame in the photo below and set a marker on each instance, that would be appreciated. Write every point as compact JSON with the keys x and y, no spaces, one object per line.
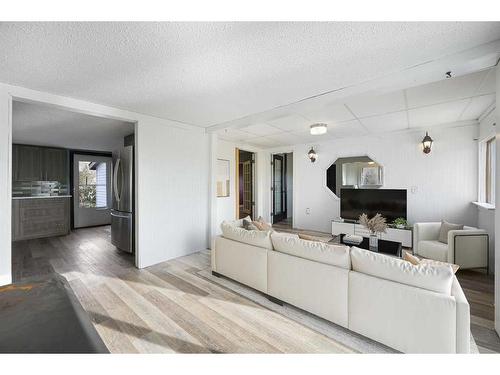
{"x":237,"y":181}
{"x":71,"y":177}
{"x":283,"y":214}
{"x":271,"y":183}
{"x":64,"y":103}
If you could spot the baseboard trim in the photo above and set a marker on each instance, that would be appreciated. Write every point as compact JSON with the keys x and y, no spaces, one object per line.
{"x":216,"y":274}
{"x":5,"y":280}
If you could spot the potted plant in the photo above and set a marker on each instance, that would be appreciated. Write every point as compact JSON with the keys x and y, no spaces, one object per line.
{"x":375,"y":225}
{"x":400,"y":223}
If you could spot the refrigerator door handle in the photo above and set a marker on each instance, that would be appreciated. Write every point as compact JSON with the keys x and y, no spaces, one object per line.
{"x":115,"y":180}
{"x":120,"y":216}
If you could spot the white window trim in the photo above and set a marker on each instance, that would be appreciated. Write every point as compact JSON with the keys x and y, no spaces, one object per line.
{"x":481,"y":199}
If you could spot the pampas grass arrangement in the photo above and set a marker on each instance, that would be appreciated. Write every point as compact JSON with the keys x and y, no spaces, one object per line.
{"x":376,"y":224}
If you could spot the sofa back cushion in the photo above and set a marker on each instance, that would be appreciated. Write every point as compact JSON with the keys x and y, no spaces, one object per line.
{"x":434,"y":278}
{"x":335,"y":255}
{"x":232,"y":231}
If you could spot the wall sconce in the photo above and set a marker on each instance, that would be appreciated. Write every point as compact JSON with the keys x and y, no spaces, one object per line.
{"x":427,"y":143}
{"x":312,"y":155}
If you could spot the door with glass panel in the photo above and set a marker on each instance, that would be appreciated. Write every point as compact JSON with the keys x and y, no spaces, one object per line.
{"x":91,"y":190}
{"x":279,"y":188}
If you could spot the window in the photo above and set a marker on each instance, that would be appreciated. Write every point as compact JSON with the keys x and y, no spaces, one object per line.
{"x":487,"y":156}
{"x":92,"y":184}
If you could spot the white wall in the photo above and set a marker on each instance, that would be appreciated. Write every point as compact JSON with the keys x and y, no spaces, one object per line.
{"x":486,"y":218}
{"x":497,"y":214}
{"x":172,"y":161}
{"x":172,"y":165}
{"x":5,"y":187}
{"x":444,"y":182}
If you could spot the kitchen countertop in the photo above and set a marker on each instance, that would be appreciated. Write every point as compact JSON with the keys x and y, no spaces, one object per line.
{"x":44,"y":197}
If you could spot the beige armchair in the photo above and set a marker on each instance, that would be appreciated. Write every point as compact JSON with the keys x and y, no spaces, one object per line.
{"x":467,"y":247}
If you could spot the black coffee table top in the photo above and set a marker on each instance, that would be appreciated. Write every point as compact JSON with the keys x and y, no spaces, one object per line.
{"x":384,"y":246}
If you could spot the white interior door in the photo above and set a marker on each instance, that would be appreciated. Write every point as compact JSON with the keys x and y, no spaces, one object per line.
{"x":92,"y":190}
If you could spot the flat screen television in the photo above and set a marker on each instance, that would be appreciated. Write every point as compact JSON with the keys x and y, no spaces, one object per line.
{"x":390,"y":203}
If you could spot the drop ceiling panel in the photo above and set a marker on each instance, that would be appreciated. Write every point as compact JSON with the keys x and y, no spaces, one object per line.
{"x":286,"y":138}
{"x":346,"y":129}
{"x":306,"y":137}
{"x":233,"y":135}
{"x":371,"y":105}
{"x":477,"y":107}
{"x":261,"y":129}
{"x":437,"y":114}
{"x":385,"y":123}
{"x":445,"y":90}
{"x":292,"y":123}
{"x":330,"y":114}
{"x":488,"y":84}
{"x":265,"y":142}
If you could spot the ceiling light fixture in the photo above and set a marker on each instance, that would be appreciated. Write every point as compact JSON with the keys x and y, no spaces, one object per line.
{"x":318,"y":129}
{"x":427,"y":143}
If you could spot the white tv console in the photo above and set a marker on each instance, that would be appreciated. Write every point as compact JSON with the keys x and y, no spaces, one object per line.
{"x":393,"y":234}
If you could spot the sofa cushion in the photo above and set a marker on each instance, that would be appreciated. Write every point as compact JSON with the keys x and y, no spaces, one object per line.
{"x":435,"y":278}
{"x":335,"y":255}
{"x":308,"y":237}
{"x":251,"y":237}
{"x":433,"y":249}
{"x":445,"y":228}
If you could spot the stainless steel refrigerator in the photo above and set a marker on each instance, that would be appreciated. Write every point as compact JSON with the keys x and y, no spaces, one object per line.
{"x":122,"y":212}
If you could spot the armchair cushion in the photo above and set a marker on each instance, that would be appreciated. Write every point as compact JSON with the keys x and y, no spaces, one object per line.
{"x":445,"y":228}
{"x":433,"y":249}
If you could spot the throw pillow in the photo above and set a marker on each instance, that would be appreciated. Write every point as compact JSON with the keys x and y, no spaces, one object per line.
{"x":445,"y":228}
{"x":263,"y":224}
{"x":423,"y":261}
{"x":248,"y":225}
{"x":411,"y":258}
{"x":258,"y":224}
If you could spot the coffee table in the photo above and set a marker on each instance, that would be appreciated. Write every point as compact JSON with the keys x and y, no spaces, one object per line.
{"x":384,"y":246}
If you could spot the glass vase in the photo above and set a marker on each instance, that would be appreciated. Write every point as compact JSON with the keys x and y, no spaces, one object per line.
{"x":373,"y":242}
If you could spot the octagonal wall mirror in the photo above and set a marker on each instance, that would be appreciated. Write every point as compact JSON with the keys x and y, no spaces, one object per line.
{"x":355,"y":172}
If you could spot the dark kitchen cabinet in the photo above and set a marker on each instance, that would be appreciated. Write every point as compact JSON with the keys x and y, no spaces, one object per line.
{"x":40,"y":217}
{"x":33,"y":163}
{"x":55,"y":165}
{"x":26,"y":163}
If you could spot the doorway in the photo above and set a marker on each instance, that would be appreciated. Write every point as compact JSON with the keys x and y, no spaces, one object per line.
{"x":282,"y":189}
{"x":245,"y":184}
{"x":92,"y":190}
{"x":61,"y":188}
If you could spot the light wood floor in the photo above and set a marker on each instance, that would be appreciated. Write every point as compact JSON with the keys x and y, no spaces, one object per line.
{"x":164,"y":308}
{"x":170,"y":308}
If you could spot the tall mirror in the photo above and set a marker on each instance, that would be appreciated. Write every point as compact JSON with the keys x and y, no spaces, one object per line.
{"x":356,"y":172}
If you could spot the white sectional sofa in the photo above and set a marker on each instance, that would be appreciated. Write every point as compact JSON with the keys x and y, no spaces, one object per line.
{"x":413,"y":309}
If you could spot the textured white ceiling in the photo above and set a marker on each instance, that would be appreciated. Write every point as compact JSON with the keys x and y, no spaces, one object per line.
{"x":210,"y":73}
{"x":444,"y":103}
{"x":49,"y":126}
